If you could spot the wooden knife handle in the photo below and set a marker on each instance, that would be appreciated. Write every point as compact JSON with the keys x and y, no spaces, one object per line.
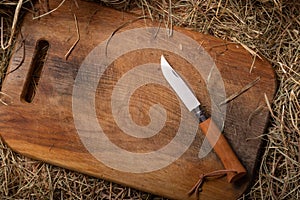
{"x":223,"y":150}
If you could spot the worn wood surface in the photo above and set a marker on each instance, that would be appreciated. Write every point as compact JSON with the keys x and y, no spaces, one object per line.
{"x":44,"y":128}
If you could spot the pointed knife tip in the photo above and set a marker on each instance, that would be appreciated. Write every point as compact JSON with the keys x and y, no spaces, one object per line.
{"x":163,"y":60}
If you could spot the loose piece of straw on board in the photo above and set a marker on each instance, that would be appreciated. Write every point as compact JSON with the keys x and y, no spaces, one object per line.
{"x":253,"y":53}
{"x":51,"y":11}
{"x":120,"y":27}
{"x":77,"y":40}
{"x":238,"y":93}
{"x":5,"y":96}
{"x":21,"y":61}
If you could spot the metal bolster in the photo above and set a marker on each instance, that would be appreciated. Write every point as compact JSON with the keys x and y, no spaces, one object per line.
{"x":200,"y":114}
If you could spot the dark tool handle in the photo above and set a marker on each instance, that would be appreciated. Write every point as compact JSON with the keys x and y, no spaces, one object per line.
{"x":223,"y":150}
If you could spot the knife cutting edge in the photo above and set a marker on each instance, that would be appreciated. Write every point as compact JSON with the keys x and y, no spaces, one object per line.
{"x":208,"y":127}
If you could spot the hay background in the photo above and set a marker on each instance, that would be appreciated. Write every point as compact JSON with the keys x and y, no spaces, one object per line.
{"x":265,"y":27}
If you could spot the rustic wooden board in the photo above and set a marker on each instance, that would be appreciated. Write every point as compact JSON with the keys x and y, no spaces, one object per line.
{"x":45,"y":128}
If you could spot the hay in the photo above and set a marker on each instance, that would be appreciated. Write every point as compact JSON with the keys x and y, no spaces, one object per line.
{"x":267,"y":27}
{"x":241,"y":91}
{"x":77,"y":40}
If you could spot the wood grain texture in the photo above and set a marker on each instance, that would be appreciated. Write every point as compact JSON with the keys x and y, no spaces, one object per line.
{"x":44,"y":129}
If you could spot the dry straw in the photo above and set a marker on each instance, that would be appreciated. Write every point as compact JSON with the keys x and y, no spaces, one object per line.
{"x":267,"y":28}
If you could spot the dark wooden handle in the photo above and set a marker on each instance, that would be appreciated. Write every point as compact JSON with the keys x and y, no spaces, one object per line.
{"x":223,"y":150}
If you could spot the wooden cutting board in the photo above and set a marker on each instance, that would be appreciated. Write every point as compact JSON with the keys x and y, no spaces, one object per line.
{"x":105,"y":110}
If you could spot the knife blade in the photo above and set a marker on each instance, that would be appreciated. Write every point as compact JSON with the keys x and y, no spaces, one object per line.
{"x":222,"y":148}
